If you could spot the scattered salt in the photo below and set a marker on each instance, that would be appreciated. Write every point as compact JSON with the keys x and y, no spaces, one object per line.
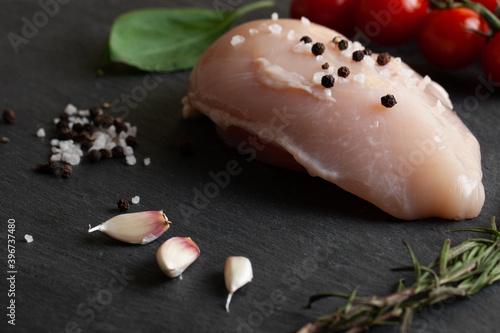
{"x":397,"y":60}
{"x":56,"y":121}
{"x":56,"y":157}
{"x":319,"y":58}
{"x":40,"y":133}
{"x":317,"y":77}
{"x":425,"y":81}
{"x":369,"y":61}
{"x":305,"y":21}
{"x":359,"y":78}
{"x":406,"y":72}
{"x":291,"y":35}
{"x":385,"y":72}
{"x":253,"y":31}
{"x":147,"y":161}
{"x":274,"y":16}
{"x":411,"y":82}
{"x":275,"y":28}
{"x":84,"y":113}
{"x":128,"y":151}
{"x":238,"y":39}
{"x":28,"y":238}
{"x":54,"y":142}
{"x":70,"y":109}
{"x":130,"y":159}
{"x":136,"y":199}
{"x":343,"y":80}
{"x":328,"y":92}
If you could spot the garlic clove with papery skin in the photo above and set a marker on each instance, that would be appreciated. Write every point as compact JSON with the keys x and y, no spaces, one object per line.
{"x":176,"y":254}
{"x":135,"y":228}
{"x":237,"y":273}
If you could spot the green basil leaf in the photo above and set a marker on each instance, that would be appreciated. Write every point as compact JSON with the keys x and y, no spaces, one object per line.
{"x":168,"y":40}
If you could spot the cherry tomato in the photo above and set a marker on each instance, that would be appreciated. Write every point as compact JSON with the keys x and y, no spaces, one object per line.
{"x":490,"y":59}
{"x":390,"y":22}
{"x":335,"y":14}
{"x":444,"y":41}
{"x":491,"y":5}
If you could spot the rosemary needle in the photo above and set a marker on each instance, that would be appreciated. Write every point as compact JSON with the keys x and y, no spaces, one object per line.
{"x":461,"y":270}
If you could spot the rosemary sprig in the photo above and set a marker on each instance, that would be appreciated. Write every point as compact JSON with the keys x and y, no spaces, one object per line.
{"x":461,"y":270}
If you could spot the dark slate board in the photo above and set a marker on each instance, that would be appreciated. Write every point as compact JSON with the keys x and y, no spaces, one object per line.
{"x":303,"y":235}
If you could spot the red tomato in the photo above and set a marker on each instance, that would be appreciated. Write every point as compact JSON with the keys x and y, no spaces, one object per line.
{"x":490,"y":59}
{"x":335,"y":14}
{"x":491,"y":5}
{"x":444,"y":41}
{"x":390,"y":22}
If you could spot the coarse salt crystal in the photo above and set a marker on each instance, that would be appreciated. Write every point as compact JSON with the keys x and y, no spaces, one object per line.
{"x":56,"y":157}
{"x":369,"y":61}
{"x":28,"y":238}
{"x":275,"y":28}
{"x":425,"y":81}
{"x":305,"y":20}
{"x":319,"y":58}
{"x":343,"y":80}
{"x":291,"y":35}
{"x":328,"y":92}
{"x":359,"y":78}
{"x":128,"y":151}
{"x":238,"y":39}
{"x":130,"y":159}
{"x":136,"y":199}
{"x":406,"y":72}
{"x":317,"y":77}
{"x":274,"y":16}
{"x":40,"y":133}
{"x":253,"y":31}
{"x":70,"y":109}
{"x":411,"y":82}
{"x":56,"y":121}
{"x":147,"y":161}
{"x":132,"y":130}
{"x":54,"y":142}
{"x":84,"y":113}
{"x":397,"y":60}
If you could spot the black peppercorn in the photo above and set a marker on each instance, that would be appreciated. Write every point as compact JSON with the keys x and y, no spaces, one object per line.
{"x":4,"y":139}
{"x":62,"y":124}
{"x":367,"y":52}
{"x":94,"y":112}
{"x":117,"y":151}
{"x":94,"y":155}
{"x":120,"y":125}
{"x":306,"y":39}
{"x":66,"y":134}
{"x":358,"y":55}
{"x":66,"y":171}
{"x":325,"y":65}
{"x":131,"y":141}
{"x":388,"y":101}
{"x":105,"y":153}
{"x":106,"y":121}
{"x":328,"y":81}
{"x":64,"y":116}
{"x":318,"y":49}
{"x":343,"y":45}
{"x":9,"y":116}
{"x":343,"y":71}
{"x":77,"y":127}
{"x":383,"y":59}
{"x":48,"y":168}
{"x":123,"y":205}
{"x":88,"y":128}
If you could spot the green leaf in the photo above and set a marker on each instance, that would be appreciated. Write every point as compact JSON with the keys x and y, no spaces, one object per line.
{"x":168,"y":40}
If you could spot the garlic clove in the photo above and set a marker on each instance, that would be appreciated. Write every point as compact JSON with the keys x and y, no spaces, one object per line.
{"x":176,"y":254}
{"x":237,"y":273}
{"x":135,"y":228}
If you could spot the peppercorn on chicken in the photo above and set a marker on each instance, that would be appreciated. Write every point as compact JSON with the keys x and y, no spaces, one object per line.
{"x":298,"y":95}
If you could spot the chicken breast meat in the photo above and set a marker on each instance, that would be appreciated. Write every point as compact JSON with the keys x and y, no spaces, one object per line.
{"x":265,"y":88}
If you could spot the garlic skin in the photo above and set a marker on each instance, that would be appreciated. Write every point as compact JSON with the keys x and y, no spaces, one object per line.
{"x":237,"y":273}
{"x":177,"y":254}
{"x":135,"y":228}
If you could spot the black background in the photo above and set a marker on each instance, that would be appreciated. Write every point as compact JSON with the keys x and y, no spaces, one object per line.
{"x":302,"y":234}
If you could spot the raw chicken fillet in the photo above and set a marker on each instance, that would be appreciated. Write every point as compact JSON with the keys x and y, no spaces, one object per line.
{"x":260,"y":84}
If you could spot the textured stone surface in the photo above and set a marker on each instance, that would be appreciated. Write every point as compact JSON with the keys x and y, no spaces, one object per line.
{"x":303,"y":235}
